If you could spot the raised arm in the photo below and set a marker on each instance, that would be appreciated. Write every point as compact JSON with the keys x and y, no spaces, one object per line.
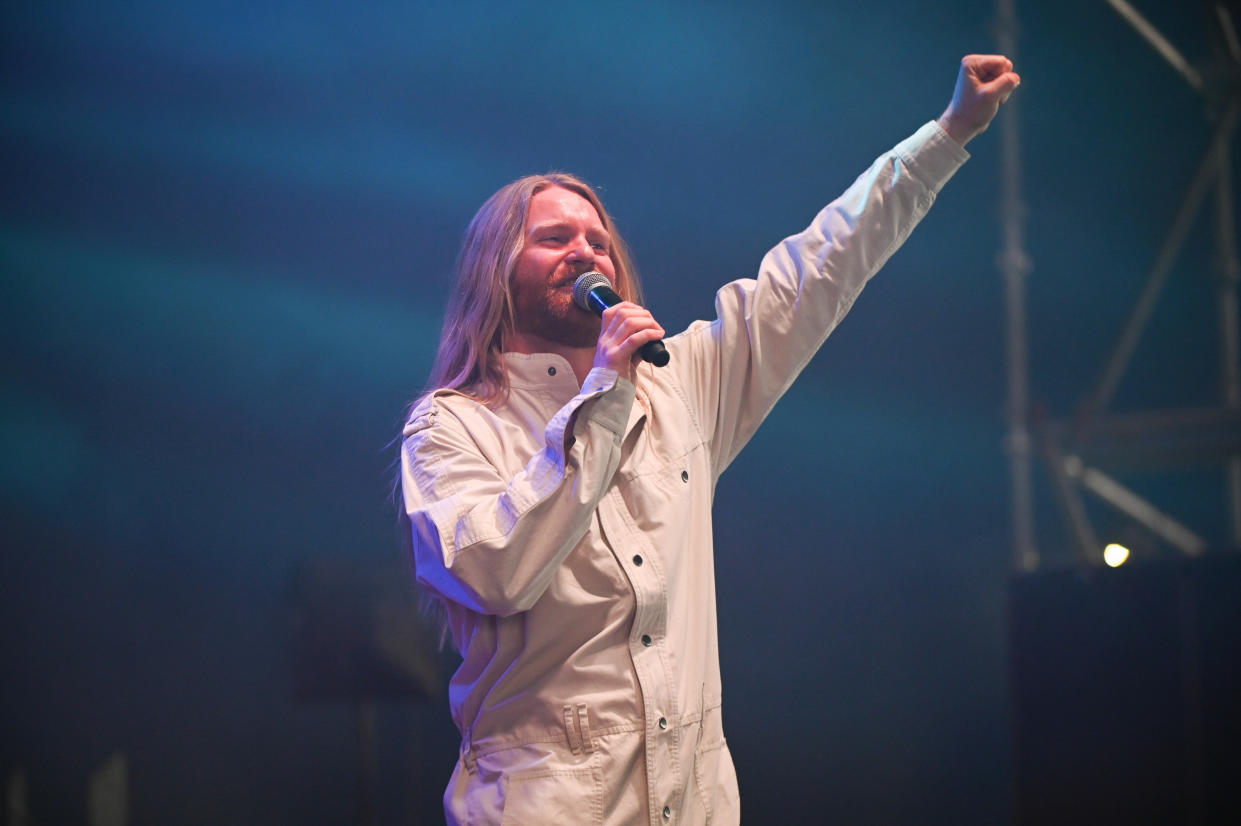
{"x":767,"y":328}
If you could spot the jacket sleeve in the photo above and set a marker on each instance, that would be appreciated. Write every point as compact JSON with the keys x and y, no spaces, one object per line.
{"x":493,"y":543}
{"x":767,"y":328}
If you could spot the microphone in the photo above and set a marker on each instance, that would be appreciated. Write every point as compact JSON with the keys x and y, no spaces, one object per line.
{"x":593,"y":293}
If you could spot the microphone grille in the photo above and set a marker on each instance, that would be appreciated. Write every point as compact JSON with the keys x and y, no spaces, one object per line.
{"x":584,"y":284}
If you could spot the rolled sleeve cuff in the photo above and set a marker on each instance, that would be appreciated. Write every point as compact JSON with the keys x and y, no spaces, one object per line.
{"x":932,"y":155}
{"x":611,"y":397}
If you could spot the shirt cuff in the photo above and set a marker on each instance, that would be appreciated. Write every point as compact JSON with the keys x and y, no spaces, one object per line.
{"x":611,"y":396}
{"x":932,"y":154}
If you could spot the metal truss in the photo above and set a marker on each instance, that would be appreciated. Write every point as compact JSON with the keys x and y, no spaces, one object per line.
{"x":1076,"y":451}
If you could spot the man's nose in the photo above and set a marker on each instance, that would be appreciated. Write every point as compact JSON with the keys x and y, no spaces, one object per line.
{"x":582,"y":255}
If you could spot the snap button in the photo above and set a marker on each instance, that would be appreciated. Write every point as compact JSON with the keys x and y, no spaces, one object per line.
{"x":667,"y":813}
{"x":646,"y":640}
{"x":685,"y":476}
{"x":637,"y":559}
{"x":551,"y":371}
{"x":663,"y":723}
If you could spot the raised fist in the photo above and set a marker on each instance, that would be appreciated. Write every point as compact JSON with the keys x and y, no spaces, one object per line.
{"x":985,"y":82}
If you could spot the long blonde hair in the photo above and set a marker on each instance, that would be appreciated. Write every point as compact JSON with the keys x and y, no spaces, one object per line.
{"x":480,"y":313}
{"x":480,"y":309}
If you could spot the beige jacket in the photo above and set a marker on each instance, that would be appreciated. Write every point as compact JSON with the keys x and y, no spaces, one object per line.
{"x":568,"y":533}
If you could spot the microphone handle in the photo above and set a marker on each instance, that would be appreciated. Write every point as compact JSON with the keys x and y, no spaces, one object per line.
{"x":656,"y":353}
{"x":601,"y":298}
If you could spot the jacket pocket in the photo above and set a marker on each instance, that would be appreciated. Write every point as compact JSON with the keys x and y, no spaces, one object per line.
{"x":715,"y":778}
{"x":558,"y":796}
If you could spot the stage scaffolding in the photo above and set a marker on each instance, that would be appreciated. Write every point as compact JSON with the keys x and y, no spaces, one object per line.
{"x":1076,"y":451}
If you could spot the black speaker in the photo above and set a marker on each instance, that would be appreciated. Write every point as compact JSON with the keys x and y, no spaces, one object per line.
{"x":1126,"y":693}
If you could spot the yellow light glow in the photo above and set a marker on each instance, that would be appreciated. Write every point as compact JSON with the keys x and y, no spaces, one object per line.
{"x":1115,"y":555}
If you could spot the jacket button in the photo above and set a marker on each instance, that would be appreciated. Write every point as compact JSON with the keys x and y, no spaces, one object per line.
{"x":663,"y":723}
{"x":685,"y":476}
{"x":667,"y":813}
{"x":646,"y":640}
{"x":637,"y":559}
{"x":551,"y":371}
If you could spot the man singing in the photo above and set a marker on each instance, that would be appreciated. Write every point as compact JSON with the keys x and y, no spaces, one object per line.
{"x":558,"y":489}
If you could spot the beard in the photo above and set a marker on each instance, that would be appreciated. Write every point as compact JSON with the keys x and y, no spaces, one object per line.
{"x":548,"y":312}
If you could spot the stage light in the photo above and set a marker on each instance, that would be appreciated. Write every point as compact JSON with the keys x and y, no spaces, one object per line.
{"x":1115,"y":555}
